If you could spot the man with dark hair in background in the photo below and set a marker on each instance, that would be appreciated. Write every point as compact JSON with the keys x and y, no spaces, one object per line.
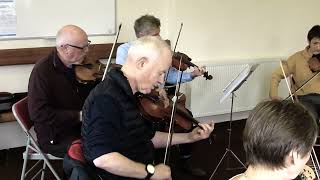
{"x":297,"y":66}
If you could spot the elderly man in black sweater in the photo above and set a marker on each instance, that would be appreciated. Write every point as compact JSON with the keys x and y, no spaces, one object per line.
{"x":55,"y":96}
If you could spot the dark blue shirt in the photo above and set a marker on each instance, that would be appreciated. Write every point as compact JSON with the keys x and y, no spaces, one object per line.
{"x":112,"y":122}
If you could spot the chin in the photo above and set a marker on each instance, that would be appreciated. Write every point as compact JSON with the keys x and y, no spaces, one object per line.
{"x":145,"y":91}
{"x":295,"y":173}
{"x":77,"y":62}
{"x":294,"y":176}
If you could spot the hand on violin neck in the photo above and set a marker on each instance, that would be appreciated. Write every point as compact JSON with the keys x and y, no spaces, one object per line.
{"x":198,"y":71}
{"x":201,"y":133}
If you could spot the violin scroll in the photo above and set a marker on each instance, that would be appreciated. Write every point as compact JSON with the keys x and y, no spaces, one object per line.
{"x":207,"y":76}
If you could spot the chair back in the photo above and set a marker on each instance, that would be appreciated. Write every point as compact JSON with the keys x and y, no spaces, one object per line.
{"x":21,"y":113}
{"x":75,"y":151}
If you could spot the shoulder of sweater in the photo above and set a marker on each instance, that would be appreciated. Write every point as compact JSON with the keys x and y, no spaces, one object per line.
{"x":297,"y":56}
{"x":45,"y":61}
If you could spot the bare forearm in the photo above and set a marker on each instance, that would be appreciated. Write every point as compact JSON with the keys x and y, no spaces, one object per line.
{"x":120,"y":165}
{"x":160,"y":139}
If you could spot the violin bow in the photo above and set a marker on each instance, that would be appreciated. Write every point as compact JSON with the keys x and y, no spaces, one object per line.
{"x":175,"y":46}
{"x":111,"y":52}
{"x":285,"y":77}
{"x":170,"y":133}
{"x":304,"y":84}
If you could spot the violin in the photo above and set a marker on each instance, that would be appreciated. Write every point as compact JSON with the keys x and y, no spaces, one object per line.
{"x":89,"y":72}
{"x":307,"y":174}
{"x":152,"y":107}
{"x":314,"y":63}
{"x":186,"y":63}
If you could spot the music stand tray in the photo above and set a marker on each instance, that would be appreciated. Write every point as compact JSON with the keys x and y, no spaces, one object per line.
{"x":233,"y":86}
{"x":236,"y":83}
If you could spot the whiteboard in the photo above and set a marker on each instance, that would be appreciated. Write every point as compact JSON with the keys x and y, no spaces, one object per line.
{"x":43,"y":18}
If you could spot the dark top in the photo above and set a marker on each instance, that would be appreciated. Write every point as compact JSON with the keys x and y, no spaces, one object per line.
{"x":55,"y":100}
{"x":112,"y":123}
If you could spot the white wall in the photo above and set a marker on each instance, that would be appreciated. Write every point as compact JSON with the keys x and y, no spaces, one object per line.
{"x":213,"y":30}
{"x":217,"y":30}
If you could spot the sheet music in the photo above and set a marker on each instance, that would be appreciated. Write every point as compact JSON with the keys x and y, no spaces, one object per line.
{"x":237,"y":81}
{"x":8,"y":19}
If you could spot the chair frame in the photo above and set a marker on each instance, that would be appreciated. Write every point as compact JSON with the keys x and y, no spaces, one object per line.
{"x":33,"y":151}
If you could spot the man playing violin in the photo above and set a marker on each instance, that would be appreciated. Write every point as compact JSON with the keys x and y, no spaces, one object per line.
{"x":55,"y":98}
{"x":116,"y":138}
{"x":148,"y":25}
{"x":297,"y":66}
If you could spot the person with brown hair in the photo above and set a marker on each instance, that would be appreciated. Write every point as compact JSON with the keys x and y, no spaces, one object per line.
{"x":278,"y":139}
{"x":297,"y":67}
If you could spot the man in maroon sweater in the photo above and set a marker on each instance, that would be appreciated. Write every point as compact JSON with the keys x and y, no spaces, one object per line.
{"x":55,"y":97}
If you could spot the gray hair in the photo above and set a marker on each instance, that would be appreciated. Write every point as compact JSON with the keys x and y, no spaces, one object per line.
{"x":146,"y":46}
{"x":145,"y":24}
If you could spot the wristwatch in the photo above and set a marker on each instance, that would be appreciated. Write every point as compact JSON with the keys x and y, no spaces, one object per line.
{"x":150,"y":170}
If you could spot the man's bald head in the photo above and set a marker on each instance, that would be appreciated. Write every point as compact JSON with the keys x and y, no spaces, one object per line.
{"x":72,"y":44}
{"x":69,"y":34}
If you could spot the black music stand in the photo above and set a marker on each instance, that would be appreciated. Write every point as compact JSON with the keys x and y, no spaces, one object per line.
{"x":233,"y":86}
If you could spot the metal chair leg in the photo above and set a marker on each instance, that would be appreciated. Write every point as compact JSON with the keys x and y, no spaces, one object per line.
{"x":45,"y":159}
{"x":25,"y":159}
{"x":43,"y":170}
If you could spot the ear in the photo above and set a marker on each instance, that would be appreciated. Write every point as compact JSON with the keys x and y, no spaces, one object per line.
{"x":293,"y":156}
{"x":141,"y":63}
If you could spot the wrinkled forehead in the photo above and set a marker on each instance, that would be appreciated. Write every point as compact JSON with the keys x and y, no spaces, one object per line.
{"x":163,"y":61}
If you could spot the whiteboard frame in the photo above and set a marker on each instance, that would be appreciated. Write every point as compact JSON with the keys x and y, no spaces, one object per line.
{"x":49,"y":37}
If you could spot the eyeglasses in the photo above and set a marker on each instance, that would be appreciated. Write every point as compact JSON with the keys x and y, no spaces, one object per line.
{"x":83,"y":47}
